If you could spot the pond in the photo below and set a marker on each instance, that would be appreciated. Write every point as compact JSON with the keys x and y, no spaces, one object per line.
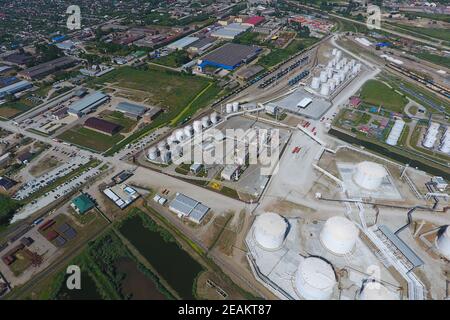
{"x":136,"y":284}
{"x":171,"y":262}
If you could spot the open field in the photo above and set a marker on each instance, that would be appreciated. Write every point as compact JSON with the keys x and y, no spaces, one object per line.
{"x":174,"y":60}
{"x":377,"y":93}
{"x":90,"y":139}
{"x":118,"y":118}
{"x":443,"y":61}
{"x":7,"y":208}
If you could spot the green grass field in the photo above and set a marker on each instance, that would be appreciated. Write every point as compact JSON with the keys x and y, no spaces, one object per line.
{"x":443,"y":61}
{"x":7,"y":208}
{"x":118,"y":118}
{"x":175,"y":59}
{"x":90,"y":139}
{"x":278,"y":55}
{"x":437,"y":33}
{"x":377,"y":93}
{"x":163,"y":87}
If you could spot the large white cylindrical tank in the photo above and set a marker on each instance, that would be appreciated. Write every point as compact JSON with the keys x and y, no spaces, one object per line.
{"x":331,"y":84}
{"x":162,"y":146}
{"x":338,"y":54}
{"x":166,"y":156}
{"x":342,"y":76}
{"x":330,"y":64}
{"x":235,"y":106}
{"x":344,"y":61}
{"x":329,"y":73}
{"x":270,"y":230}
{"x":229,"y":108}
{"x":152,"y":153}
{"x":197,"y":126}
{"x":358,"y":67}
{"x":339,"y":235}
{"x":334,"y":51}
{"x":188,"y":130}
{"x":324,"y":89}
{"x":338,"y":66}
{"x":214,"y":117}
{"x":179,"y":134}
{"x":346,"y":68}
{"x":205,"y":122}
{"x":315,"y":83}
{"x":315,"y":279}
{"x":369,"y":175}
{"x":374,"y":290}
{"x":323,"y":76}
{"x":176,"y":150}
{"x":443,"y":241}
{"x":337,"y":79}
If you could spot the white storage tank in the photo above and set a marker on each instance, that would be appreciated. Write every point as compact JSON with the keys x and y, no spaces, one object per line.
{"x":331,"y":84}
{"x":315,"y":83}
{"x":346,"y":68}
{"x":323,"y":76}
{"x":325,"y":89}
{"x":176,"y":150}
{"x":374,"y":290}
{"x":369,"y":175}
{"x":205,"y":122}
{"x":329,"y":73}
{"x":229,"y":108}
{"x":166,"y":156}
{"x":179,"y":134}
{"x":337,"y":79}
{"x":334,"y":51}
{"x":338,"y":54}
{"x":214,"y":117}
{"x":443,"y":241}
{"x":188,"y":130}
{"x":315,"y":279}
{"x":171,"y":139}
{"x":235,"y":106}
{"x":358,"y":67}
{"x":152,"y":153}
{"x":197,"y":126}
{"x":339,"y":235}
{"x":162,"y":146}
{"x":342,"y":76}
{"x":270,"y":230}
{"x":330,"y":64}
{"x":338,"y":66}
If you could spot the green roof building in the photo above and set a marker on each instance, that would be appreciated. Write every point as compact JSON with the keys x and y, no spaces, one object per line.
{"x":82,"y":204}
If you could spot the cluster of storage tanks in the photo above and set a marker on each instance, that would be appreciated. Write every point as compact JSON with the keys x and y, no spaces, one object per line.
{"x":232,"y":107}
{"x":335,"y":73}
{"x":396,"y":132}
{"x":315,"y":278}
{"x":432,"y":136}
{"x":170,"y":147}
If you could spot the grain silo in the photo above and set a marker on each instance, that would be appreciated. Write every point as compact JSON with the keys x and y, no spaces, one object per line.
{"x":188,"y":131}
{"x":166,"y":156}
{"x":235,"y":106}
{"x":369,"y":175}
{"x":339,"y":235}
{"x":162,"y":146}
{"x":270,"y":230}
{"x":197,"y":126}
{"x":374,"y":290}
{"x":171,"y":139}
{"x":315,"y":83}
{"x":205,"y":122}
{"x":152,"y":153}
{"x":315,"y":279}
{"x":443,"y":241}
{"x":324,"y":89}
{"x":179,"y":134}
{"x":323,"y":76}
{"x":214,"y":117}
{"x":331,"y":84}
{"x":229,"y":108}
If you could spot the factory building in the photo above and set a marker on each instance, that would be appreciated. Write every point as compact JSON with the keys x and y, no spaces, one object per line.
{"x":230,"y":31}
{"x":270,"y":231}
{"x":82,"y":204}
{"x":182,"y":43}
{"x":102,"y":126}
{"x":122,"y":195}
{"x":87,"y":104}
{"x":189,"y":208}
{"x":201,"y":45}
{"x":369,"y":175}
{"x":396,"y":132}
{"x":6,"y":183}
{"x":229,"y":56}
{"x":15,"y":88}
{"x":47,"y":68}
{"x":131,"y":109}
{"x":431,"y":135}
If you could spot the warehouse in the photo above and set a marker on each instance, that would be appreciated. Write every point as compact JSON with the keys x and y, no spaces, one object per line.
{"x":184,"y":206}
{"x":122,"y":195}
{"x":87,"y":104}
{"x":15,"y":88}
{"x":82,"y":204}
{"x":230,"y":31}
{"x":230,"y":56}
{"x":47,"y":68}
{"x":6,"y":183}
{"x":182,"y":43}
{"x":131,"y":109}
{"x":102,"y":126}
{"x":201,"y":45}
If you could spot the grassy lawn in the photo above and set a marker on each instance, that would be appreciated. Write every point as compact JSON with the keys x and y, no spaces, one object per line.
{"x":443,"y":61}
{"x":165,"y":88}
{"x":175,"y":59}
{"x":14,"y":108}
{"x":377,"y":93}
{"x":7,"y":208}
{"x":437,"y":33}
{"x":90,"y":139}
{"x":118,"y":118}
{"x":278,"y":55}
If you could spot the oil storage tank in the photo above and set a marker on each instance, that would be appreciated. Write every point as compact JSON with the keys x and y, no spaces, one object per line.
{"x":369,"y":175}
{"x":339,"y":235}
{"x":197,"y":126}
{"x":315,"y":279}
{"x":214,"y":117}
{"x":152,"y":153}
{"x":270,"y":230}
{"x":443,"y":241}
{"x":205,"y":122}
{"x":315,"y":83}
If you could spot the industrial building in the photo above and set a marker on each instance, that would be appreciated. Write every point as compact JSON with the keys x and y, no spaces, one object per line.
{"x":122,"y":195}
{"x":230,"y":31}
{"x":201,"y":45}
{"x":396,"y":132}
{"x":189,"y":208}
{"x":47,"y":68}
{"x":229,"y":56}
{"x":87,"y":104}
{"x":102,"y":126}
{"x":82,"y":204}
{"x":131,"y":109}
{"x":15,"y":88}
{"x":6,"y":183}
{"x":182,"y":43}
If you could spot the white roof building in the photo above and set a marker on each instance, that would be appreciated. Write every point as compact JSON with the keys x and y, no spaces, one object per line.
{"x":396,"y":132}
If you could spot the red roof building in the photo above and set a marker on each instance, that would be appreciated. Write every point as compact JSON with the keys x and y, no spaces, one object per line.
{"x":255,"y":20}
{"x":102,"y":126}
{"x":355,"y":102}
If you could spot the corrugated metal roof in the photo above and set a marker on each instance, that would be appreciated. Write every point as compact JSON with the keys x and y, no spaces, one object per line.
{"x":182,"y":43}
{"x":88,"y":101}
{"x":131,"y":108}
{"x":15,"y":87}
{"x":186,"y":206}
{"x":402,"y":246}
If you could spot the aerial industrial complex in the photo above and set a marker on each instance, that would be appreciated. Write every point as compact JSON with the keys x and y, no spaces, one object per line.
{"x":225,"y":150}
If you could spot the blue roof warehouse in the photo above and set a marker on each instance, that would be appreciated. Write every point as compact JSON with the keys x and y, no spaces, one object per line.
{"x":230,"y":56}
